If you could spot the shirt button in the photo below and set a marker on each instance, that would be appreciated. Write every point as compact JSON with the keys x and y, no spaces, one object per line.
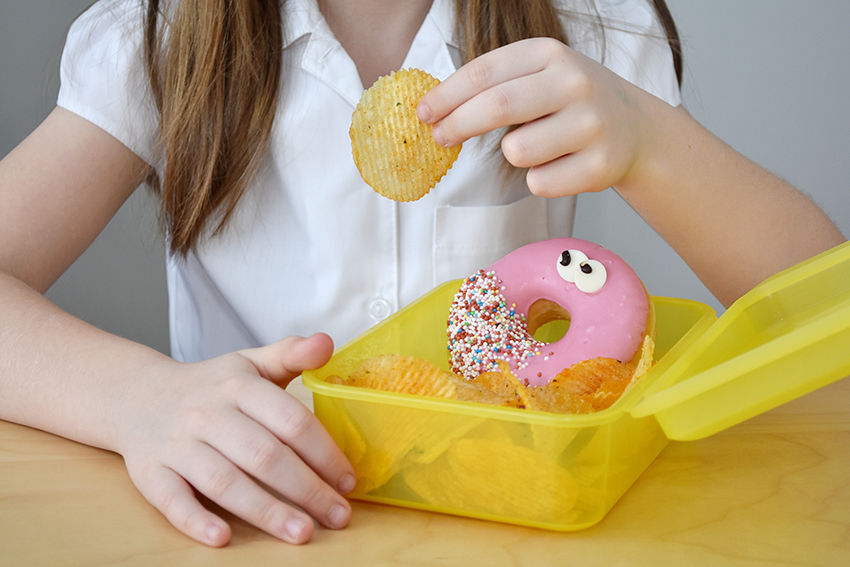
{"x":379,"y":309}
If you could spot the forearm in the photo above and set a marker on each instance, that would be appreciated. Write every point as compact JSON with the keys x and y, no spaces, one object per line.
{"x":733,"y":222}
{"x":61,"y":374}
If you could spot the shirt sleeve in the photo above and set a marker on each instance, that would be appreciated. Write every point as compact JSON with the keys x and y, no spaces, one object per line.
{"x":103,"y":78}
{"x":630,"y":41}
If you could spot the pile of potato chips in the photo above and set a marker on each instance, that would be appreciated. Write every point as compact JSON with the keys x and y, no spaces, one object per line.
{"x":394,"y":151}
{"x":586,"y":387}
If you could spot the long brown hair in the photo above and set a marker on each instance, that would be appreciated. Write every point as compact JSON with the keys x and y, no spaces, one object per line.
{"x":215,"y":73}
{"x":216,"y":87}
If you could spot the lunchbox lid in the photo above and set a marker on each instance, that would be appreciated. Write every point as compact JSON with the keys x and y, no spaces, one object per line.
{"x":788,"y":336}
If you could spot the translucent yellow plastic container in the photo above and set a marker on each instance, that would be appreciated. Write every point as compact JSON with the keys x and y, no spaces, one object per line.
{"x":559,"y":472}
{"x":788,"y":336}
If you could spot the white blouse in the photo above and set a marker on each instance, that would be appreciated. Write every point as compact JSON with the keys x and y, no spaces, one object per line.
{"x":311,"y":246}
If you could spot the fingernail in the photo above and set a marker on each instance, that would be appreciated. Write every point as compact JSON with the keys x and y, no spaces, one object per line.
{"x":439,"y":137}
{"x":338,"y":516}
{"x":423,"y":112}
{"x":214,"y":534}
{"x":295,"y":527}
{"x":347,"y":484}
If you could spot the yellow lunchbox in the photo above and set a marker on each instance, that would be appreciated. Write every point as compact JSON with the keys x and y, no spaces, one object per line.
{"x":788,"y":336}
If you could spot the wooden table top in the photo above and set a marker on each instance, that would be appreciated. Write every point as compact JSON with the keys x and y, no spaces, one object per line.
{"x":774,"y":490}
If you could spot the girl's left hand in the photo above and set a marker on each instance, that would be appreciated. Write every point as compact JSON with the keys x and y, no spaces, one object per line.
{"x":581,"y":127}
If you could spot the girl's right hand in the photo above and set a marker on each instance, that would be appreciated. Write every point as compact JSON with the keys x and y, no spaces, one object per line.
{"x":227,"y":429}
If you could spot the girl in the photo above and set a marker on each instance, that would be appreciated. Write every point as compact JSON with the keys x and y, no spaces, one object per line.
{"x":237,"y":113}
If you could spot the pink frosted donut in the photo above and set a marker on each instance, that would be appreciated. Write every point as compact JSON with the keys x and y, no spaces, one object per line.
{"x":495,"y":312}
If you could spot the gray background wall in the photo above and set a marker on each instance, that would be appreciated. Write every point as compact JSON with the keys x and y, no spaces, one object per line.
{"x":770,"y":77}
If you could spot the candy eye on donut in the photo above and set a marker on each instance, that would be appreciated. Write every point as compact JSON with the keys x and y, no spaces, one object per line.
{"x":575,"y":267}
{"x":590,"y":276}
{"x":568,"y":264}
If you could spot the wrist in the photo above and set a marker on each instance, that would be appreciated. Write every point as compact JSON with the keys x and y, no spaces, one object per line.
{"x":657,"y":124}
{"x":145,"y":377}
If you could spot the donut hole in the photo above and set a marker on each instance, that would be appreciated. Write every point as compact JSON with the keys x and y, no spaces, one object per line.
{"x":547,"y":321}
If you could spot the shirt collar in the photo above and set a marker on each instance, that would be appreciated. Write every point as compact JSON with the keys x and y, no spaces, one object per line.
{"x":323,"y":57}
{"x":304,"y":18}
{"x":442,"y":14}
{"x":434,"y":48}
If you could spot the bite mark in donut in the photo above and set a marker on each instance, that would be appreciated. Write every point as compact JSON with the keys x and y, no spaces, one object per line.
{"x":497,"y":310}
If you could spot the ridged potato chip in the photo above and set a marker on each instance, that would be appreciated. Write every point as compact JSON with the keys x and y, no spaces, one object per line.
{"x":397,"y":373}
{"x":413,"y":375}
{"x":393,"y":150}
{"x":585,"y":387}
{"x":495,"y":477}
{"x":400,"y":436}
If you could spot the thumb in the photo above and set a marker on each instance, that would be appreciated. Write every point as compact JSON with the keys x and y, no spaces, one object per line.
{"x":284,"y":360}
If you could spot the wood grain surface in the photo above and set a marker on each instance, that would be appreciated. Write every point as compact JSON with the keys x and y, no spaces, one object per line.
{"x":774,"y":490}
